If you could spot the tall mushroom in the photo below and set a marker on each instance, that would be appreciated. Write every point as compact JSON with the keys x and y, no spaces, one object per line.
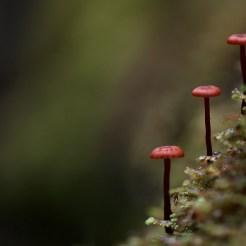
{"x":166,"y":153}
{"x":206,"y":92}
{"x":240,"y":39}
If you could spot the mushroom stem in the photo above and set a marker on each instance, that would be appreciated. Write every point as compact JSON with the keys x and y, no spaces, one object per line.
{"x":243,"y":69}
{"x":243,"y":62}
{"x":208,"y":126}
{"x":166,"y":195}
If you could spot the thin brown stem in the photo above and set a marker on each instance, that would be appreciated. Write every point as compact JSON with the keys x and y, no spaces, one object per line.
{"x":166,"y":195}
{"x":208,"y":126}
{"x":243,"y":69}
{"x":243,"y":62}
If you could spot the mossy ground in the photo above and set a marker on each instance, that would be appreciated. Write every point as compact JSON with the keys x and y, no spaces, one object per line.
{"x":210,"y":206}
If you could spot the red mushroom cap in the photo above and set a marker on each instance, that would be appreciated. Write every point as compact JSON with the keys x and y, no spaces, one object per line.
{"x":165,"y":152}
{"x":206,"y":91}
{"x":237,"y":39}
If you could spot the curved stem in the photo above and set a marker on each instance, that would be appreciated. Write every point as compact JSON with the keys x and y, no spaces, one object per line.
{"x":166,"y":195}
{"x":243,"y":69}
{"x":208,"y":126}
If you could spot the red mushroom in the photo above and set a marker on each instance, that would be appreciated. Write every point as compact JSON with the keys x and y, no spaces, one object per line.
{"x":166,"y":153}
{"x":240,"y":39}
{"x":206,"y":92}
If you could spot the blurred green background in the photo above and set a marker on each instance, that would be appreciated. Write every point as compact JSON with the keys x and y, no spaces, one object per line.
{"x":88,"y":89}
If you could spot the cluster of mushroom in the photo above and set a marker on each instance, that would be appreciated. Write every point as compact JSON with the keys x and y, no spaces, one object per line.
{"x":168,"y":152}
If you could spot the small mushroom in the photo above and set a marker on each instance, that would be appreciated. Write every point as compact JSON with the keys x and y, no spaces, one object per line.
{"x":167,"y":153}
{"x":206,"y":92}
{"x":240,"y":39}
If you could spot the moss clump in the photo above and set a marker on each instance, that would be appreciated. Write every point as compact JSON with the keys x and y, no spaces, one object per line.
{"x":210,"y":207}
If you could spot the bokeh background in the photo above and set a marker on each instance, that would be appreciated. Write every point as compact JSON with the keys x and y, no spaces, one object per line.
{"x":88,"y":89}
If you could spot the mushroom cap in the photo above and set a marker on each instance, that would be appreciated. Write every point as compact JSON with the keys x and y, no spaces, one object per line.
{"x":206,"y":91}
{"x":237,"y":39}
{"x":165,"y":152}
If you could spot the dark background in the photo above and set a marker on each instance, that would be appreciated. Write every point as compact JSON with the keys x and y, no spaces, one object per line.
{"x":88,"y":88}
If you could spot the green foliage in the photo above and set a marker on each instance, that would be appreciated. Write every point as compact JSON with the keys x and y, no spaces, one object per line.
{"x":210,"y":206}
